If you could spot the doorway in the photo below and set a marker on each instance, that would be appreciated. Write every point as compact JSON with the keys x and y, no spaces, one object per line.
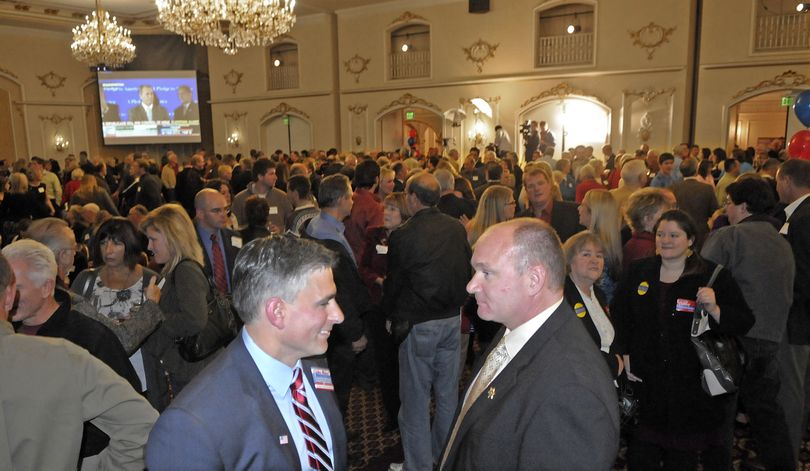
{"x":759,"y":120}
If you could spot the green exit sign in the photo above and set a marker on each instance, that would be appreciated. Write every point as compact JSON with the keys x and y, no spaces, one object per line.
{"x":409,"y":115}
{"x":286,"y":121}
{"x":787,"y":100}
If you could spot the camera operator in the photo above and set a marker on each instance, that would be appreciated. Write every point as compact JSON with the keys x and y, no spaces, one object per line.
{"x":531,"y":138}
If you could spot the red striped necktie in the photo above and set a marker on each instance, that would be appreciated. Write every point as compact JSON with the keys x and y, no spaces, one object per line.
{"x":317,"y":448}
{"x":220,"y":278}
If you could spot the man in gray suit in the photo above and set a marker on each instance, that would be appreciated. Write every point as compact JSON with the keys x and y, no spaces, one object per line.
{"x":542,"y":399}
{"x":259,"y":406}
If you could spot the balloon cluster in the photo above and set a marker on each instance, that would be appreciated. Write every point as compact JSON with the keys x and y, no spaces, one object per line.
{"x":799,"y":146}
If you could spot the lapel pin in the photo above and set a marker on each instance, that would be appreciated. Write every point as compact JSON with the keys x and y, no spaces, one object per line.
{"x":283,"y":440}
{"x":491,"y":393}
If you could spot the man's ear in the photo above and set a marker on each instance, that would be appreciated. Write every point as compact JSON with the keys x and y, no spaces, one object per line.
{"x":9,"y":294}
{"x":536,"y":278}
{"x":275,"y":311}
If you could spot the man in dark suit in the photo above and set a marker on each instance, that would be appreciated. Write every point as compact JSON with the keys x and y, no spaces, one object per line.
{"x":543,"y":398}
{"x":695,"y":198}
{"x":449,"y":203}
{"x":218,"y":242}
{"x":188,"y":110}
{"x":793,"y":186}
{"x":562,"y":215}
{"x":190,"y":182}
{"x":260,"y":405}
{"x":148,"y":189}
{"x":109,"y":111}
{"x":493,"y":171}
{"x":149,"y":109}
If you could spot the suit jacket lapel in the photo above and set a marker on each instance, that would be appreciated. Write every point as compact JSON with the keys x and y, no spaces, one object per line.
{"x":507,"y":378}
{"x":252,"y":380}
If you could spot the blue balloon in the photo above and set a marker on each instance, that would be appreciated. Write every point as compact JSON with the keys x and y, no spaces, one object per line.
{"x":802,"y":107}
{"x":411,"y":141}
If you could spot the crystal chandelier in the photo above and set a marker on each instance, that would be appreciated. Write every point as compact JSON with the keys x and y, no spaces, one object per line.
{"x":227,"y":24}
{"x":100,"y":42}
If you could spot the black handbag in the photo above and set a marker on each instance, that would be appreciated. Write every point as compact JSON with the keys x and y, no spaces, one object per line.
{"x":720,"y":355}
{"x":219,"y":330}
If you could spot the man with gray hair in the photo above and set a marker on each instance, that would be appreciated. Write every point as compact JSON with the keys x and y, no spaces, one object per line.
{"x":634,"y":177}
{"x":50,"y":387}
{"x":38,"y":312}
{"x":260,"y":405}
{"x":541,"y":399}
{"x":449,"y":203}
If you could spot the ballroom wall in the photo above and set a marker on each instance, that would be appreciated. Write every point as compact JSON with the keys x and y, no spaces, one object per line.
{"x":647,"y":82}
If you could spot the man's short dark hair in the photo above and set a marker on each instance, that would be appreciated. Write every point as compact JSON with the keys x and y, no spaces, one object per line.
{"x":276,"y":266}
{"x":729,"y":164}
{"x":498,"y":127}
{"x":300,"y":184}
{"x":261,"y":166}
{"x":754,"y":192}
{"x":427,"y":194}
{"x":798,"y":171}
{"x":771,"y":164}
{"x":494,"y":171}
{"x":257,"y":211}
{"x":664,"y":157}
{"x":688,"y":168}
{"x":184,"y":87}
{"x":333,"y":188}
{"x":366,"y":173}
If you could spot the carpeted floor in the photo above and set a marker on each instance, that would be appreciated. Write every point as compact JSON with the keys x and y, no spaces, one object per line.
{"x":374,"y":450}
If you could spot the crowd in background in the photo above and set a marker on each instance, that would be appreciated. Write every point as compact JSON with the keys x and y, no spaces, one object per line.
{"x":642,"y":232}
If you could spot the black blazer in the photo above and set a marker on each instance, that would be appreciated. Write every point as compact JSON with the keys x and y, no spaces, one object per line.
{"x":659,"y":342}
{"x":564,"y":219}
{"x":111,"y":114}
{"x":352,"y":295}
{"x":553,"y":407}
{"x":798,"y":234}
{"x":138,"y":113}
{"x":574,"y":300}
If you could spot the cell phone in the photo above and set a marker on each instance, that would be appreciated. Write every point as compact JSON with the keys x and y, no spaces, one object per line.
{"x":161,"y":283}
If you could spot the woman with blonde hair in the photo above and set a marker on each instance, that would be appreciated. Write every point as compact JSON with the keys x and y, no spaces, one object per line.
{"x":599,"y":212}
{"x":90,"y":192}
{"x":497,"y":205}
{"x":183,"y":301}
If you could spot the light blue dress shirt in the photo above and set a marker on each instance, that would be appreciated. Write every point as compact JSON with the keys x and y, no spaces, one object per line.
{"x":324,"y":226}
{"x":278,"y":377}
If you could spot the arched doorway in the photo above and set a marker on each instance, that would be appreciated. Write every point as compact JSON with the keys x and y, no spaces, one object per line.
{"x":287,"y":132}
{"x":395,"y":127}
{"x":759,"y":121}
{"x":573,"y":120}
{"x":13,"y":137}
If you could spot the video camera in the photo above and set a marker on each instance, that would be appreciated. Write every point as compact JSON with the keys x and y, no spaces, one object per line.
{"x":526,"y":128}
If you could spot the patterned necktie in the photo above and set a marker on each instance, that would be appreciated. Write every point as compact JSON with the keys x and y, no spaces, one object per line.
{"x":317,"y":448}
{"x":496,"y":358}
{"x":220,"y":278}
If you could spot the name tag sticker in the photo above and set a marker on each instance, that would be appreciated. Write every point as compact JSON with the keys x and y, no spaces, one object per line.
{"x":382,"y":249}
{"x":475,"y":178}
{"x":236,"y":242}
{"x":273,"y":210}
{"x":580,"y":310}
{"x":322,"y":378}
{"x":283,"y":440}
{"x":784,"y":229}
{"x":41,"y":190}
{"x":685,"y":305}
{"x":642,"y":289}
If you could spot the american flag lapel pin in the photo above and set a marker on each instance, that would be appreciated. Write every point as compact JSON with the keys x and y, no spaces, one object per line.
{"x":491,"y":393}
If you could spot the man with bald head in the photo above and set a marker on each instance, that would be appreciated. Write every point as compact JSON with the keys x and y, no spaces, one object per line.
{"x":540,"y":399}
{"x":220,"y":244}
{"x":428,"y":269}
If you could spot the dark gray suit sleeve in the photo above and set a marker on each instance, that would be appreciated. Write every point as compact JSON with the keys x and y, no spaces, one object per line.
{"x":179,"y":441}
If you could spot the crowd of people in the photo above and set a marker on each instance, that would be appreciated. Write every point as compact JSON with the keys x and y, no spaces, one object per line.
{"x":559,"y":283}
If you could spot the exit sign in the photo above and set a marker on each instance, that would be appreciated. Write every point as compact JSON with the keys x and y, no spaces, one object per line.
{"x":286,"y":120}
{"x":409,"y":115}
{"x":787,"y":100}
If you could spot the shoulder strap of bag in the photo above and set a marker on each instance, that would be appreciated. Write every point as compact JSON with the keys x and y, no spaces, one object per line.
{"x":210,"y":280}
{"x":700,"y":323}
{"x":88,"y":285}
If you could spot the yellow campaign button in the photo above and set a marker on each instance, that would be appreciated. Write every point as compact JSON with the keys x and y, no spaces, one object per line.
{"x":580,"y":310}
{"x":643,"y":287}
